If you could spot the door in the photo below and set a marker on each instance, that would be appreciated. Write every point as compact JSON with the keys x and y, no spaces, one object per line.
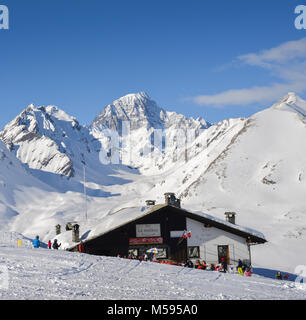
{"x":178,"y":250}
{"x":223,"y":252}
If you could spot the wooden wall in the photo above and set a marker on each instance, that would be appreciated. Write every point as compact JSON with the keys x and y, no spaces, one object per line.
{"x":117,"y":241}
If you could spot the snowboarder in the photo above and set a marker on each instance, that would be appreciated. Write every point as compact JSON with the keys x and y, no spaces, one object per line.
{"x":279,"y":276}
{"x":49,"y":244}
{"x":36,"y":242}
{"x":55,"y":244}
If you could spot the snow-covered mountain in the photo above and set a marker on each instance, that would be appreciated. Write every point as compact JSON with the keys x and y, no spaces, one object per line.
{"x":47,"y":139}
{"x":260,"y":174}
{"x":140,"y":111}
{"x":145,"y":132}
{"x":253,"y":166}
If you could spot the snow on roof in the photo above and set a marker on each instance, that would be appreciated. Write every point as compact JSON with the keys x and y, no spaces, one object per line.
{"x":91,"y":229}
{"x":229,"y":224}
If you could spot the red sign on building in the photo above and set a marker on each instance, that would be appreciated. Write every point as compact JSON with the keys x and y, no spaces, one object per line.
{"x":151,"y":240}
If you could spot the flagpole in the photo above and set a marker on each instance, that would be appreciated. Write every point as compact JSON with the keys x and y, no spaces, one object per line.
{"x":85,"y":194}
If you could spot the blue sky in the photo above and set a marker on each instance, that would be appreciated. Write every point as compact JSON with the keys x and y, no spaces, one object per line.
{"x":215,"y":59}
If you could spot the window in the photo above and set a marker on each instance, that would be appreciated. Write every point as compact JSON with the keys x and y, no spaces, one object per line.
{"x":193,"y":252}
{"x":133,"y":253}
{"x":162,"y":254}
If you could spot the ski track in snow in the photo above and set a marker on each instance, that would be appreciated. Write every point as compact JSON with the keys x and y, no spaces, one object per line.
{"x":50,"y":274}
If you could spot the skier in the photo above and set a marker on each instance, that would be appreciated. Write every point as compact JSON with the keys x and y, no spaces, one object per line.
{"x":197,"y":264}
{"x":81,"y":247}
{"x":203,"y":265}
{"x":36,"y":242}
{"x":248,"y":272}
{"x":279,"y":276}
{"x":150,"y":257}
{"x":55,"y":244}
{"x":189,"y":264}
{"x":49,"y":244}
{"x":224,"y":265}
{"x":240,"y":267}
{"x":239,"y":264}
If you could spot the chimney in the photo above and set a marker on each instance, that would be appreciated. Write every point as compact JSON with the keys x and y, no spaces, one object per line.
{"x":170,"y":199}
{"x":58,"y":229}
{"x":68,"y":226}
{"x":230,"y":217}
{"x":150,"y":202}
{"x":75,"y":233}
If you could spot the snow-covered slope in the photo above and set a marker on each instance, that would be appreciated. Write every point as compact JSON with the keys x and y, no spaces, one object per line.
{"x":56,"y":275}
{"x":261,"y":176}
{"x":15,"y":182}
{"x":253,"y":166}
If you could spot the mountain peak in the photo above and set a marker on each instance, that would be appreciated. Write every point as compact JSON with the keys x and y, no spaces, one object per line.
{"x":293,"y":103}
{"x":289,"y":98}
{"x":139,"y":95}
{"x":139,"y":110}
{"x":45,"y":137}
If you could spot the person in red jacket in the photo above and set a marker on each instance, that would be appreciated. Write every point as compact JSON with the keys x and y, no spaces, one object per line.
{"x":203,"y":265}
{"x":49,"y":244}
{"x":81,"y":247}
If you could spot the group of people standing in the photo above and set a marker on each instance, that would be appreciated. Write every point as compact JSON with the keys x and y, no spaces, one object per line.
{"x":221,"y":267}
{"x":243,"y":269}
{"x":36,"y":243}
{"x":55,"y":244}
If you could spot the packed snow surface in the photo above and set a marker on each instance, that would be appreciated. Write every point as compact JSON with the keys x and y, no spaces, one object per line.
{"x":56,"y":275}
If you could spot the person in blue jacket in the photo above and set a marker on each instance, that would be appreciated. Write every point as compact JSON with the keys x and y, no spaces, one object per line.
{"x":36,"y":242}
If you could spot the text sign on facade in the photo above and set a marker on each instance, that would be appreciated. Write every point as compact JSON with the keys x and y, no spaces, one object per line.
{"x":148,"y":230}
{"x":176,"y":234}
{"x":151,"y":240}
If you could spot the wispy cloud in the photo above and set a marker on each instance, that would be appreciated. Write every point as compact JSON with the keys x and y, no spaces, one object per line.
{"x":284,"y":53}
{"x":287,"y":62}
